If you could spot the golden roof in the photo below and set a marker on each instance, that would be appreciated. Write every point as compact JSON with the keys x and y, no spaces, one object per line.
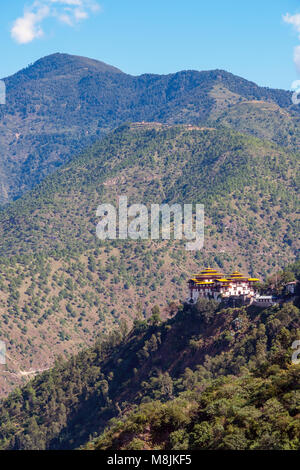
{"x":208,"y":271}
{"x":237,"y":275}
{"x":199,"y":278}
{"x":205,"y":282}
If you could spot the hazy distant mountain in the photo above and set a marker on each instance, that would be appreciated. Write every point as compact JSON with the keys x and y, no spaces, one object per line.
{"x":61,"y":103}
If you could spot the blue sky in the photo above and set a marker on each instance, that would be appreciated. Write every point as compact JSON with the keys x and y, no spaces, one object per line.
{"x":253,"y":39}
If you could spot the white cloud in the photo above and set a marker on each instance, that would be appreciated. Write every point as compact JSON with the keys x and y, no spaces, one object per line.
{"x":80,"y":14}
{"x":294,"y":20}
{"x":29,"y":26}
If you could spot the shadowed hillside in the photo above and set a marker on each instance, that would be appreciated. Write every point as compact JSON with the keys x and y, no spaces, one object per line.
{"x":207,"y":378}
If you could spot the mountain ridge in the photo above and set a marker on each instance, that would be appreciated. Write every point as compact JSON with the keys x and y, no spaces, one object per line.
{"x":51,"y":63}
{"x":49,"y":118}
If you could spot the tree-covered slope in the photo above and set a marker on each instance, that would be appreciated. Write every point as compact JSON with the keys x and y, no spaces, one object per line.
{"x":255,"y":412}
{"x":207,"y":378}
{"x":265,"y":120}
{"x":60,"y":285}
{"x":233,"y":175}
{"x":59,"y":104}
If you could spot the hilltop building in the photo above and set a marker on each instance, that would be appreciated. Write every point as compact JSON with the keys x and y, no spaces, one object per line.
{"x":214,"y":285}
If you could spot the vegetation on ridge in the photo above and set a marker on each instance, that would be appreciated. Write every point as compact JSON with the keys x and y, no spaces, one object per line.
{"x":61,"y":103}
{"x":207,"y":378}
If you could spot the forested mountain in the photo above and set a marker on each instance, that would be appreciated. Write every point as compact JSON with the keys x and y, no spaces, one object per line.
{"x":60,"y":286}
{"x":207,"y":378}
{"x":61,"y":103}
{"x":76,"y":133}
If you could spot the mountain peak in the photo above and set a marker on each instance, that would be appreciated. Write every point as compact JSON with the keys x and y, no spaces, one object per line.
{"x":60,"y":63}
